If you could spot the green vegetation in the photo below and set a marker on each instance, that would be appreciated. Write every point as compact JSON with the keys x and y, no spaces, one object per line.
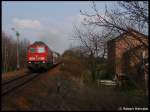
{"x":78,"y":67}
{"x":114,"y":97}
{"x":104,"y":71}
{"x":85,"y":68}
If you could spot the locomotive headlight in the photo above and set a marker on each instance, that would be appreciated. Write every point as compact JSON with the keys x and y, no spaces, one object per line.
{"x":42,"y":58}
{"x":43,"y":61}
{"x":29,"y":62}
{"x":31,"y":58}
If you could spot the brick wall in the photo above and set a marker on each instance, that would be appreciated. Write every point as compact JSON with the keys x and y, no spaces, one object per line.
{"x":119,"y":46}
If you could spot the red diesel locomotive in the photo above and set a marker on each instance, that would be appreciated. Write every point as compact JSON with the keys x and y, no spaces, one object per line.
{"x":39,"y":56}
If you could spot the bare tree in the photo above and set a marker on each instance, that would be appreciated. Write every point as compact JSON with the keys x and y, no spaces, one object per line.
{"x":92,"y":45}
{"x":92,"y":42}
{"x":9,"y":56}
{"x":137,"y":11}
{"x":118,"y":21}
{"x":130,"y":17}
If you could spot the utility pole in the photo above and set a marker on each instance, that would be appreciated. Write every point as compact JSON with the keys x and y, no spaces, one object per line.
{"x":17,"y":34}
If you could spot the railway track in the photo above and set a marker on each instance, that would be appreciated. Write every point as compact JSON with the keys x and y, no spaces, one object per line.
{"x":11,"y":85}
{"x":18,"y":82}
{"x":13,"y":79}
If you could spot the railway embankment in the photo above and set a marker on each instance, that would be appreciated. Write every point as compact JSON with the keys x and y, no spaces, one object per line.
{"x":64,"y":88}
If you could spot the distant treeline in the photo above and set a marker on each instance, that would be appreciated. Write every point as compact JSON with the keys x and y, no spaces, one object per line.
{"x":9,"y":52}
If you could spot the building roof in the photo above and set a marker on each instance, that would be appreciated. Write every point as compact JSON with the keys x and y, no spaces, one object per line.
{"x":129,"y":33}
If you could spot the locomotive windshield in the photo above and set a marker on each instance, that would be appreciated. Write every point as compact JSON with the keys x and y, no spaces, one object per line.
{"x":37,"y":49}
{"x":32,"y":49}
{"x":40,"y":50}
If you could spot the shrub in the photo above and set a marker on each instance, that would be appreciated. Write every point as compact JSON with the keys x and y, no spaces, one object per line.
{"x":104,"y":71}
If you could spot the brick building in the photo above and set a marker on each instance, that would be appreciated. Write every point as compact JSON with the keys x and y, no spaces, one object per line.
{"x":126,"y":52}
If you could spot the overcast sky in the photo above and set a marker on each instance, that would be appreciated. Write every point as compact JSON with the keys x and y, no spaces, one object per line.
{"x":50,"y":22}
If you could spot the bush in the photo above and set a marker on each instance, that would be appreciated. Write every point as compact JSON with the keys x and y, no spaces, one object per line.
{"x":128,"y":85}
{"x":104,"y":71}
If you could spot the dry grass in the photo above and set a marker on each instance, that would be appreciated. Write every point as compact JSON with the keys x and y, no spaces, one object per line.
{"x":42,"y":93}
{"x":10,"y":75}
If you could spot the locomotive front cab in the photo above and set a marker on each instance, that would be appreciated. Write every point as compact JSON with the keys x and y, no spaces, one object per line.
{"x":39,"y":57}
{"x":37,"y":54}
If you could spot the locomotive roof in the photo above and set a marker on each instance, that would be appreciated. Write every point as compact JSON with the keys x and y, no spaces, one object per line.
{"x":39,"y":43}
